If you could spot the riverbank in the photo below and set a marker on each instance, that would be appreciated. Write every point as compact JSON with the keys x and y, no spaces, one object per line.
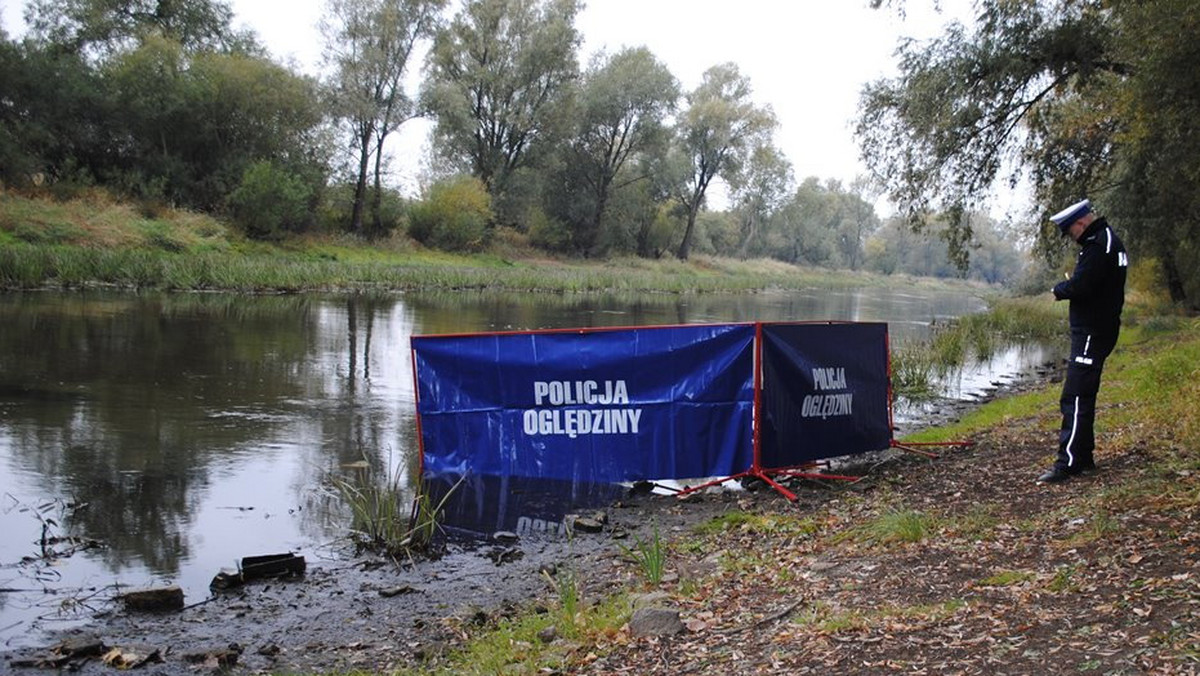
{"x":88,"y":242}
{"x":952,"y":564}
{"x":956,"y":564}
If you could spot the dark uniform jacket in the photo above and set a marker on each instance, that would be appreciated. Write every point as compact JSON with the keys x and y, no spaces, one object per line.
{"x":1097,"y":287}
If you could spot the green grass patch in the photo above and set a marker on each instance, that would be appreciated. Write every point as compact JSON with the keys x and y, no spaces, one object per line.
{"x":650,"y":557}
{"x":979,"y":523}
{"x":830,"y":620}
{"x":385,"y":515}
{"x":926,"y":612}
{"x":1007,"y":578}
{"x":995,"y":414}
{"x":894,"y":526}
{"x":1063,"y":580}
{"x":1098,"y":527}
{"x":513,"y":645}
{"x":764,"y":524}
{"x":86,"y":240}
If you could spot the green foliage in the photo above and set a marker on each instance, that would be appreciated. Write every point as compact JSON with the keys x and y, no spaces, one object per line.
{"x":270,"y":201}
{"x":101,"y":27}
{"x":914,"y":371}
{"x":1094,"y":98}
{"x":565,"y":583}
{"x":916,"y":366}
{"x":385,"y":516}
{"x":760,"y":194}
{"x":622,"y":105}
{"x":512,"y":646}
{"x":548,"y":233}
{"x":369,"y":42}
{"x":766,"y":524}
{"x":499,"y":84}
{"x":896,"y":248}
{"x":455,"y":217}
{"x":153,"y":112}
{"x":650,"y":557}
{"x":715,"y":136}
{"x":1063,"y":580}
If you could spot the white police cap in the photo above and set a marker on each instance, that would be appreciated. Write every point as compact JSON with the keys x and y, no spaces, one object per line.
{"x":1066,"y":217}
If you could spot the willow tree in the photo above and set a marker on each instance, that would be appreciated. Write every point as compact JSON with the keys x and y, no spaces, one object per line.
{"x":370,"y":43}
{"x":715,"y":136}
{"x":759,"y":194}
{"x":623,"y":102}
{"x":1089,"y":97}
{"x":101,"y":27}
{"x":500,"y":75}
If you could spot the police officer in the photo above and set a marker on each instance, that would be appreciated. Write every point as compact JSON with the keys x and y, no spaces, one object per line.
{"x":1096,"y":291}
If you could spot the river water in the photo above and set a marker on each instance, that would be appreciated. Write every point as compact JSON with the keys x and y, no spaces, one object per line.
{"x":151,"y":439}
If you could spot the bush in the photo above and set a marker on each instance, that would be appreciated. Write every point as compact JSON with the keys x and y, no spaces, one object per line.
{"x":454,"y":217}
{"x":548,"y":233}
{"x":269,"y":201}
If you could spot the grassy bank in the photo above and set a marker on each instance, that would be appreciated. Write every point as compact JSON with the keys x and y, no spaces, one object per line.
{"x":95,"y":241}
{"x":926,"y":564}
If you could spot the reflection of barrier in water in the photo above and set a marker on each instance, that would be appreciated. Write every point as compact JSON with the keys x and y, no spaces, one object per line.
{"x":551,"y":418}
{"x":530,"y":507}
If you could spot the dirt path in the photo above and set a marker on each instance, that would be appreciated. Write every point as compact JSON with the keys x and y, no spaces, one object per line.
{"x":1094,"y":576}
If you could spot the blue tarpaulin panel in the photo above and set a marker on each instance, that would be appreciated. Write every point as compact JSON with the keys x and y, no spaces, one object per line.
{"x":824,"y":392}
{"x":589,"y":406}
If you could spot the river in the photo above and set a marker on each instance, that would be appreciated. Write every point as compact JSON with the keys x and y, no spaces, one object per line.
{"x":150,"y":438}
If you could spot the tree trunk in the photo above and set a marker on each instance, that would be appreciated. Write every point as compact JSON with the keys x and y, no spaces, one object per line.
{"x":593,"y":234}
{"x":377,"y":198}
{"x":751,"y":232}
{"x":360,"y":185}
{"x":1174,"y":279}
{"x":686,"y":245}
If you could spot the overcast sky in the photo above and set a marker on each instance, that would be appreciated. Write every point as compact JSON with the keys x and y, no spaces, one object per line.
{"x":807,"y":59}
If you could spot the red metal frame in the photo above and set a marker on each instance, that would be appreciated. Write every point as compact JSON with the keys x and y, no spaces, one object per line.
{"x":412,"y":355}
{"x":910,"y":447}
{"x":756,"y":470}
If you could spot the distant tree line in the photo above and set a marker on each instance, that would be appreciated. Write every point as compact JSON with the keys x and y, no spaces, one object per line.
{"x":165,"y":102}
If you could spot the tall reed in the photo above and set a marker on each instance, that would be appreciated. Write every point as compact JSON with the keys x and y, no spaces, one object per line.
{"x":917,"y":366}
{"x":386,"y":516}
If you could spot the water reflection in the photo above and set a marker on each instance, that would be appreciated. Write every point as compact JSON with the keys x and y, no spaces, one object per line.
{"x":190,"y":430}
{"x":478,"y":506}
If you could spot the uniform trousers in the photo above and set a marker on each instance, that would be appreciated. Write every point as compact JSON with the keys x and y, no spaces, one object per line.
{"x":1077,"y":438}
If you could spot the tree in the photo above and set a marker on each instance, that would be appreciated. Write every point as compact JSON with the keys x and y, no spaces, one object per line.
{"x":895,"y":248}
{"x":455,"y":216}
{"x":54,"y":114}
{"x":186,"y":127}
{"x":1155,"y":167}
{"x":369,"y":44}
{"x":269,"y":201}
{"x":759,"y":194}
{"x":1090,"y":97}
{"x":623,"y":102}
{"x":858,"y":220}
{"x":498,"y":76}
{"x":714,"y":137}
{"x":810,"y":223}
{"x":101,"y":28}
